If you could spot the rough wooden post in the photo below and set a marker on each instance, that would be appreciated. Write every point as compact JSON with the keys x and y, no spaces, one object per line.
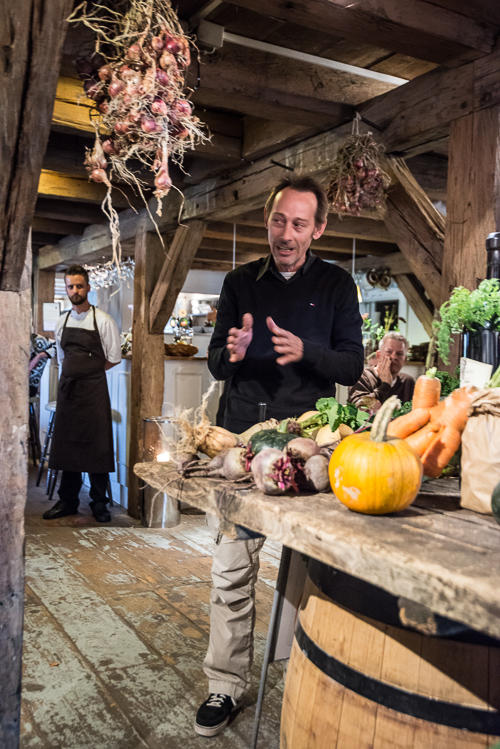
{"x":148,"y":356}
{"x":31,"y":38}
{"x":14,"y":323}
{"x":175,"y":268}
{"x":43,"y":291}
{"x":417,"y":226}
{"x":473,"y":203}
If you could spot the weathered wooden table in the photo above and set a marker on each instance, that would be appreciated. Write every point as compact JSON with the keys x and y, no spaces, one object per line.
{"x":433,"y":553}
{"x":363,"y":669}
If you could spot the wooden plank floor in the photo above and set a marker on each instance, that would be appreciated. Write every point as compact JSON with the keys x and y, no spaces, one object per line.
{"x":116,"y":629}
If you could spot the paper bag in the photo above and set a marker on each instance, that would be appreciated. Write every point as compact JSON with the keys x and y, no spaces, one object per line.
{"x":481,"y":451}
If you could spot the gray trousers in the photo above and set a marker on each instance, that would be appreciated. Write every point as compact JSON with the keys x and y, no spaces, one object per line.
{"x":229,"y":657}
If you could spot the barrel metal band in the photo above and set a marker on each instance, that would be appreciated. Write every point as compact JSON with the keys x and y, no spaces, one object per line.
{"x":418,"y":706}
{"x":369,"y":600}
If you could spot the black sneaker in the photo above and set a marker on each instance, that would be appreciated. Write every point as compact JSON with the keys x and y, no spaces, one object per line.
{"x":213,"y":716}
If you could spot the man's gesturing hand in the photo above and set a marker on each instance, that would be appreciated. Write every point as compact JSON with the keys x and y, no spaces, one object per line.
{"x":239,"y":339}
{"x":285,"y":343}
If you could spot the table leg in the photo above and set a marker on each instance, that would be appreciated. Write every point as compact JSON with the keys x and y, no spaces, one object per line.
{"x":279,"y":595}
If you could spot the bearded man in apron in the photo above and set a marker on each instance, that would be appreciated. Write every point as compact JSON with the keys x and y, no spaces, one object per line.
{"x":88,"y":344}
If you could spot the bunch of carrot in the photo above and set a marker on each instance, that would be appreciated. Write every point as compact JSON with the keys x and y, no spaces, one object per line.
{"x":433,"y":428}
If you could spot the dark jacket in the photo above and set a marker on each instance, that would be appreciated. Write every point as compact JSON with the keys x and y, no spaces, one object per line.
{"x":371,"y":384}
{"x":319,"y":305}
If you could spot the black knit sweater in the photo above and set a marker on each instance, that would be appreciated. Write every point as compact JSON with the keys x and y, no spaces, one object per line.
{"x":319,"y":305}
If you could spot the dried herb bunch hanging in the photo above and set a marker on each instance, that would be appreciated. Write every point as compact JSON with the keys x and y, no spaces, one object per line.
{"x":136,"y":77}
{"x":357,"y":180}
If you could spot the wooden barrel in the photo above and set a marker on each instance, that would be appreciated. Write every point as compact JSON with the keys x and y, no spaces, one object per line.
{"x":359,"y":679}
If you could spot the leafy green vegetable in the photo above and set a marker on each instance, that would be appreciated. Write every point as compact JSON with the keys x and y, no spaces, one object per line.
{"x":449,"y":382}
{"x":403,"y":409}
{"x":337,"y":414}
{"x":471,"y":310}
{"x":329,"y":412}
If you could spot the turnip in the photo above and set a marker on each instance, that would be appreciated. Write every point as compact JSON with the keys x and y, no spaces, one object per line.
{"x":326,"y":437}
{"x":211,"y":440}
{"x":208,"y":468}
{"x":234,"y":463}
{"x":316,"y":472}
{"x":273,"y":471}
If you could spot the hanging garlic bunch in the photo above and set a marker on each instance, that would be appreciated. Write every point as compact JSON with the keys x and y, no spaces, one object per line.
{"x":136,"y":78}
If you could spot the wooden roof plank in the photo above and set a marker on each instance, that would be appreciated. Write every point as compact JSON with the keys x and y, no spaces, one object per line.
{"x":413,"y":27}
{"x":434,"y":100}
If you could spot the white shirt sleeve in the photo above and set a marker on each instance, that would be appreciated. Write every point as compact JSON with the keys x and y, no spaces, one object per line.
{"x":58,"y":336}
{"x":110,"y":338}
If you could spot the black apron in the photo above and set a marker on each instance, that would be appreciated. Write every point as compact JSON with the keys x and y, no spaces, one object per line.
{"x":83,"y":437}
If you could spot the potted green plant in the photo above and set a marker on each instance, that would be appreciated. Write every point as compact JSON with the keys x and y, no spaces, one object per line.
{"x":475,"y":315}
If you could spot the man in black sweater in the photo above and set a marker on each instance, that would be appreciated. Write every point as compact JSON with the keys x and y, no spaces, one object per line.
{"x":288,"y":328}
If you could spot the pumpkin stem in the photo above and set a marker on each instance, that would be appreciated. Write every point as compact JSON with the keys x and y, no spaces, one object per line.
{"x":382,"y":419}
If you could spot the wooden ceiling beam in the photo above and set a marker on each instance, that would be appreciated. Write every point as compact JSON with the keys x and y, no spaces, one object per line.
{"x":263,"y":136}
{"x":249,"y":103}
{"x":250,"y":234}
{"x":339,"y":245}
{"x":62,"y":228}
{"x":67,"y":187}
{"x":479,"y":9}
{"x":72,"y":113}
{"x":197,"y":169}
{"x":226,"y":257}
{"x":434,"y":100}
{"x":41,"y":238}
{"x":64,"y":210}
{"x":242,"y":256}
{"x":372,"y":229}
{"x":414,"y":27}
{"x":431,"y":103}
{"x":291,"y":87}
{"x":395,"y":262}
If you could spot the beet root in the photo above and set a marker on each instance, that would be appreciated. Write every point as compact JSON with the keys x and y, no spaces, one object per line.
{"x":316,"y":472}
{"x":234,"y":465}
{"x":273,"y":472}
{"x":301,"y":449}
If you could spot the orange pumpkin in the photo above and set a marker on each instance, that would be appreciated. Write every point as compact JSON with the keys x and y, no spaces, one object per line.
{"x":373,"y":473}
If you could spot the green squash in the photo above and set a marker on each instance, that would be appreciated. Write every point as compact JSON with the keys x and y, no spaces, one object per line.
{"x":269,"y":438}
{"x":495,"y":503}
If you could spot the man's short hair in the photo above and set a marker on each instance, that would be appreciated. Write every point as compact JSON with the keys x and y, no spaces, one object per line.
{"x":76,"y":270}
{"x":303,"y":184}
{"x":396,"y":337}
